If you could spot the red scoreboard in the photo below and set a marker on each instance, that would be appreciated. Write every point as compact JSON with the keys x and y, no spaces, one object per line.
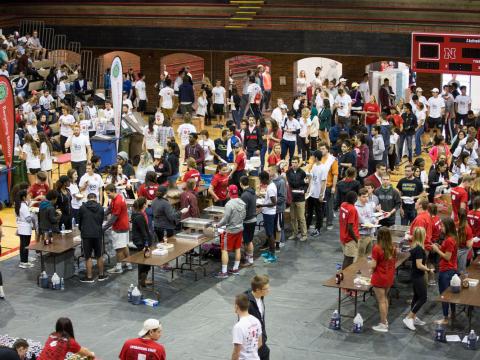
{"x":446,"y":53}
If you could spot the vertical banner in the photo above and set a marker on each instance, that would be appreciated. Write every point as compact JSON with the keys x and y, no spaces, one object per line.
{"x":7,"y":123}
{"x":116,"y":79}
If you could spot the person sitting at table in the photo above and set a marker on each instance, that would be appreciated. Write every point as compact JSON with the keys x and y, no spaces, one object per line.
{"x":231,"y":239}
{"x":383,"y":266}
{"x":120,"y":180}
{"x":448,"y":252}
{"x":218,"y":189}
{"x":48,"y":217}
{"x":141,"y":236}
{"x":128,"y":170}
{"x":64,"y":201}
{"x":192,"y":172}
{"x":165,"y":217}
{"x":189,"y":199}
{"x":90,"y":220}
{"x":145,"y":165}
{"x":417,"y":276}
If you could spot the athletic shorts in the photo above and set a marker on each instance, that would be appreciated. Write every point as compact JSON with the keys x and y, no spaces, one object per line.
{"x":33,"y":171}
{"x":279,"y":223}
{"x":218,"y":109}
{"x":248,"y":232}
{"x":231,"y":242}
{"x":269,"y":224}
{"x":142,"y":105}
{"x":92,"y":244}
{"x":434,"y":123}
{"x":119,"y":240}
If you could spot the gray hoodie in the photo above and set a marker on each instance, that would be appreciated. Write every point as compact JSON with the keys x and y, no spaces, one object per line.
{"x":235,"y":212}
{"x":378,"y":147}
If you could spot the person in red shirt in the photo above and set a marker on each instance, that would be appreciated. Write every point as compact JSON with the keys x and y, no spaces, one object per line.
{"x":448,"y":262}
{"x":219,"y":186}
{"x":372,"y":112}
{"x":62,"y":341}
{"x":349,"y":221}
{"x":238,"y":168}
{"x":423,"y":220}
{"x":274,"y":157}
{"x":149,"y":188}
{"x":120,"y":225}
{"x":192,"y":172}
{"x":465,"y":241}
{"x":474,"y":222}
{"x":395,"y":118}
{"x":460,"y":195}
{"x":383,"y":266}
{"x":376,"y":177}
{"x":145,"y":346}
{"x":189,"y":200}
{"x":39,"y":189}
{"x":436,"y":222}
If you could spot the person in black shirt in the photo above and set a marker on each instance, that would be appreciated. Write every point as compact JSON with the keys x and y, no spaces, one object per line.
{"x":172,"y":158}
{"x":408,"y":131}
{"x":18,"y":351}
{"x":128,"y":170}
{"x":296,"y":181}
{"x":221,"y":148}
{"x":347,"y":158}
{"x":411,"y":189}
{"x":419,"y":257}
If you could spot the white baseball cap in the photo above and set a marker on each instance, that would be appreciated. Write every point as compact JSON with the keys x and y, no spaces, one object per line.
{"x":149,"y":324}
{"x":435,"y":90}
{"x":342,"y":80}
{"x":419,"y":89}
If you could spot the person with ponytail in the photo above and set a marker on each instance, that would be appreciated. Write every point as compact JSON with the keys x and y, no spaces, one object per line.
{"x":448,"y":252}
{"x":31,"y":155}
{"x":465,"y":240}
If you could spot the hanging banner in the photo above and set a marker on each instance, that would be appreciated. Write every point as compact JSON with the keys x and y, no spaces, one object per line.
{"x":116,"y":80}
{"x":7,"y":123}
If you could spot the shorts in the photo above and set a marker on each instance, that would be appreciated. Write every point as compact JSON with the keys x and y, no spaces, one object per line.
{"x":434,"y":123}
{"x":92,"y":244}
{"x":248,"y":232}
{"x":233,"y":241}
{"x":218,"y":109}
{"x":460,"y":119}
{"x":279,"y":223}
{"x":269,"y":224}
{"x":142,"y":105}
{"x":120,"y":239}
{"x":350,"y":249}
{"x":33,"y":171}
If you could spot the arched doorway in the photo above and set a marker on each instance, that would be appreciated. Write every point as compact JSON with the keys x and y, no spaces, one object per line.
{"x":236,"y":68}
{"x":129,"y":61}
{"x":328,"y":69}
{"x":173,"y":63}
{"x":398,"y":74}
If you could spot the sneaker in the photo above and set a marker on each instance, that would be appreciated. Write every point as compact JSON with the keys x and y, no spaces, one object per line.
{"x":281,"y":244}
{"x":409,"y":323}
{"x":292,"y":237}
{"x":87,"y":280}
{"x":271,"y":259}
{"x":233,"y":272}
{"x":442,"y":321}
{"x":380,"y":328}
{"x":26,"y":265}
{"x":115,"y":270}
{"x":419,"y":322}
{"x":221,"y":275}
{"x":29,"y":264}
{"x":303,"y":238}
{"x":103,"y":277}
{"x":329,"y":227}
{"x":129,"y":267}
{"x":315,"y":233}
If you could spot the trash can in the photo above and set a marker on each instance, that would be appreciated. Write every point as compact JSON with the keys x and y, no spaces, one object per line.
{"x":105,"y":147}
{"x":4,"y":193}
{"x":19,"y":170}
{"x":136,"y":147}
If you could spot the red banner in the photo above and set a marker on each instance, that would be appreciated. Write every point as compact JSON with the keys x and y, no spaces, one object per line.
{"x":7,"y":123}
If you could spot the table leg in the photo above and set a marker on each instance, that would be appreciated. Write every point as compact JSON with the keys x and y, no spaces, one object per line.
{"x":153,"y":279}
{"x":469,"y":314}
{"x":356,"y":301}
{"x":54,"y":263}
{"x":339,"y":300}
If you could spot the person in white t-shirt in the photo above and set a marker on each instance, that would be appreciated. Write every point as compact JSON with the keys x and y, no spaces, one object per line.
{"x":463,"y":103}
{"x":150,"y":136}
{"x":436,"y":109}
{"x":46,"y":162}
{"x":303,"y":145}
{"x":254,"y":98}
{"x":269,"y":210}
{"x":247,"y":332}
{"x":47,"y":104}
{"x":185,"y":129}
{"x":3,"y":70}
{"x":343,"y":104}
{"x":126,"y":101}
{"x":421,"y":114}
{"x":31,"y":155}
{"x":277,"y":112}
{"x":80,"y":149}
{"x":218,"y":94}
{"x":290,"y":128}
{"x":316,"y":190}
{"x":92,"y":182}
{"x":66,"y":121}
{"x":207,"y":145}
{"x":166,"y":99}
{"x":141,"y":92}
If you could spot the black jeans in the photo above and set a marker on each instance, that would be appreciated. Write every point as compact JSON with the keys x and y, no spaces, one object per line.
{"x":317,"y":206}
{"x":419,"y":293}
{"x":63,"y":140}
{"x":303,"y":149}
{"x":24,"y":243}
{"x":408,"y":216}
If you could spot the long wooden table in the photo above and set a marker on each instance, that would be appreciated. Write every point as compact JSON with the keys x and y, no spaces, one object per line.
{"x":469,"y":297}
{"x":350,"y":273}
{"x":180,"y":248}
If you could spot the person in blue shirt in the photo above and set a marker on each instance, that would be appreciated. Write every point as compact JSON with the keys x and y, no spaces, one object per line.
{"x":127,"y":85}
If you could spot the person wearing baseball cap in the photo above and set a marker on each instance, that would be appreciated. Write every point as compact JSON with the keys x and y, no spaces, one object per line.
{"x":146,"y":345}
{"x":436,"y":111}
{"x":128,"y":170}
{"x":231,"y":237}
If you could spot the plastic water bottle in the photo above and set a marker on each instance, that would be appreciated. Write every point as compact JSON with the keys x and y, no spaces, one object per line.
{"x":63,"y":229}
{"x":338,"y":279}
{"x":130,"y":289}
{"x":62,"y":284}
{"x":74,"y":225}
{"x":335,"y":321}
{"x":44,"y":280}
{"x":136,"y":296}
{"x":55,"y":282}
{"x":357,"y":324}
{"x":440,"y":333}
{"x":472,"y":340}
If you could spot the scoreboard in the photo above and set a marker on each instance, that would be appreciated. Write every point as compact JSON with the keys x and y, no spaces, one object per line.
{"x":446,"y":53}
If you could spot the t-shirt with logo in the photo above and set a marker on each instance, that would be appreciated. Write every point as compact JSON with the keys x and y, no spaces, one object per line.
{"x":220,"y":186}
{"x":435,"y":106}
{"x":118,"y":207}
{"x":95,"y":183}
{"x":371,"y":107}
{"x":65,"y":125}
{"x":247,"y":332}
{"x":348,"y":215}
{"x":343,"y":103}
{"x":57,"y":347}
{"x":463,"y":101}
{"x":220,"y":150}
{"x":37,"y":190}
{"x":78,"y":147}
{"x":167,"y":94}
{"x":410,"y":188}
{"x":192,"y":174}
{"x":218,"y":93}
{"x":184,"y":132}
{"x":149,"y":192}
{"x":142,"y":349}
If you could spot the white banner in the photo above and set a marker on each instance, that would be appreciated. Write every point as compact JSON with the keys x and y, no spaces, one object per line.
{"x":116,"y":80}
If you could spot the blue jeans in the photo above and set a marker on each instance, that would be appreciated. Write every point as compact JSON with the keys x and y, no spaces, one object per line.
{"x":443,"y":284}
{"x":237,"y":117}
{"x":409,"y":139}
{"x":263,"y":151}
{"x":290,"y":146}
{"x":418,"y":141}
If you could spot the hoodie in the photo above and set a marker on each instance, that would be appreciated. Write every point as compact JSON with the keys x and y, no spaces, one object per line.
{"x":389,"y":198}
{"x":90,"y":219}
{"x":140,"y":233}
{"x":235,"y":211}
{"x":47,"y":217}
{"x":343,"y":187}
{"x":249,"y":197}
